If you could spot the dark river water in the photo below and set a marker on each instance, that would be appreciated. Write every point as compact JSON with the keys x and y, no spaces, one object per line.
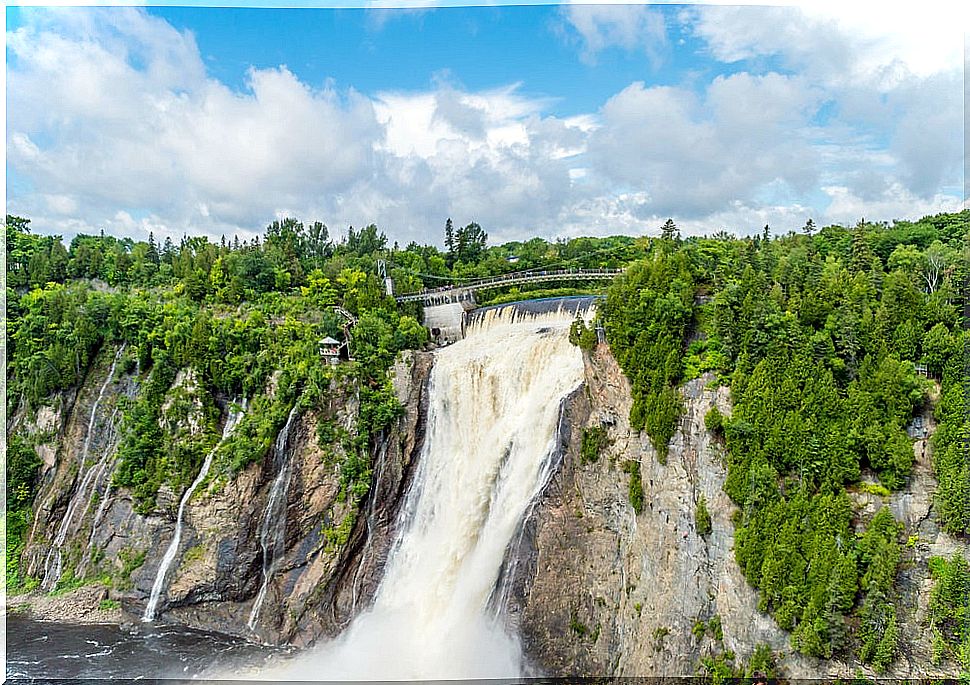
{"x":42,"y":651}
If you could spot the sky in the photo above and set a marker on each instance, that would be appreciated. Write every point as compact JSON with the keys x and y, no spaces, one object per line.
{"x":550,"y":120}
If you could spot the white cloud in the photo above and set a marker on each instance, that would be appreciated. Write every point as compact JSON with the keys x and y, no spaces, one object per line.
{"x":894,"y":201}
{"x":838,"y":42}
{"x":114,"y":123}
{"x":892,"y":75}
{"x":696,"y":154}
{"x":629,"y":27}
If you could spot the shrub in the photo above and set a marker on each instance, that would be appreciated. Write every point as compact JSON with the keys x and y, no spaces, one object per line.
{"x":702,"y":517}
{"x":714,"y":422}
{"x":595,"y":440}
{"x":636,"y":486}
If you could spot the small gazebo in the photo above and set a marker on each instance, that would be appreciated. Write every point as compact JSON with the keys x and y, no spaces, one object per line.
{"x":330,"y":350}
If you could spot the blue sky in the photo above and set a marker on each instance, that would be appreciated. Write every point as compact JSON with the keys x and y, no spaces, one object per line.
{"x":555,"y":120}
{"x":476,"y":48}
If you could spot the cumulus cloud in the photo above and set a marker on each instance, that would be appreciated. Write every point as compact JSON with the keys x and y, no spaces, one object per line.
{"x":838,"y":42}
{"x":894,"y":200}
{"x":893,"y":75}
{"x":628,"y":27}
{"x":113,"y":122}
{"x":136,"y":123}
{"x":694,"y":154}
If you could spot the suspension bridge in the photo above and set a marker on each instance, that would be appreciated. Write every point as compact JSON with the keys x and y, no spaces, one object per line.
{"x":465,"y":292}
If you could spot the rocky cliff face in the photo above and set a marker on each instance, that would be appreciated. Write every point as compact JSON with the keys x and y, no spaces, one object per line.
{"x":599,"y":589}
{"x":320,"y":581}
{"x":591,"y":586}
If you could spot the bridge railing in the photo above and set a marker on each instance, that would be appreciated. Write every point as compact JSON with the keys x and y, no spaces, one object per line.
{"x":510,"y":279}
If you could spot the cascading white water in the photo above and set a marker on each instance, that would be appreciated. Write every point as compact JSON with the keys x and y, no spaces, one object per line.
{"x":100,"y":486}
{"x":53,"y":563}
{"x":272,"y":529}
{"x":173,"y":547}
{"x":492,"y":430}
{"x":369,"y":519}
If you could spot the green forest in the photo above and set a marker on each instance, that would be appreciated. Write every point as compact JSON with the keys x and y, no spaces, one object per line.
{"x":831,"y":341}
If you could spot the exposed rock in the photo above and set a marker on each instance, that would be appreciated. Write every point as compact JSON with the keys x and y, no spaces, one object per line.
{"x":66,"y":421}
{"x":318,"y":585}
{"x":593,"y":587}
{"x":615,"y":593}
{"x":86,"y":604}
{"x":601,"y":590}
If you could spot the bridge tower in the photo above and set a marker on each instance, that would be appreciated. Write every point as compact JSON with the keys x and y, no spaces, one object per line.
{"x":388,"y":281}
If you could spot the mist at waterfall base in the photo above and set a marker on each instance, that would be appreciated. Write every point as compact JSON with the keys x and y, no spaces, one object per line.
{"x":493,"y":418}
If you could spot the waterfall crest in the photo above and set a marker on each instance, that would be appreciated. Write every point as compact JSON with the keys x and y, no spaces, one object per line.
{"x":173,"y":547}
{"x":492,"y":429}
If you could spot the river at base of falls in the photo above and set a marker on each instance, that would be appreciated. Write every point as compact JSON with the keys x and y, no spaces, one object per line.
{"x":44,"y":651}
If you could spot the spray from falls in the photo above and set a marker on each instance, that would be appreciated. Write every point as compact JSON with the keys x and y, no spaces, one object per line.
{"x":53,"y":564}
{"x":493,"y":418}
{"x":272,"y":530}
{"x":173,"y":547}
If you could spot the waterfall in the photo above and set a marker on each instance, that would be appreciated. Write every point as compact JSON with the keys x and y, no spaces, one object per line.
{"x":101,"y":486}
{"x":53,"y":563}
{"x":272,"y":530}
{"x":369,"y":519}
{"x":173,"y":547}
{"x":494,"y":412}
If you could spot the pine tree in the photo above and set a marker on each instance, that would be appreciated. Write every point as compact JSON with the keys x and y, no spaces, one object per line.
{"x":669,"y":231}
{"x":809,"y":227}
{"x":168,"y":251}
{"x":449,"y":236}
{"x":861,"y":251}
{"x":152,"y":253}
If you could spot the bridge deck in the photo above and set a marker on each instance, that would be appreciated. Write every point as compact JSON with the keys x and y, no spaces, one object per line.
{"x":463,"y":291}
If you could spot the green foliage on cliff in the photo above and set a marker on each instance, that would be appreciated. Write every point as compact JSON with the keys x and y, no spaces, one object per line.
{"x":226,"y":316}
{"x":23,"y":467}
{"x":636,"y":485}
{"x":702,"y":517}
{"x":647,"y":316}
{"x":724,"y":666}
{"x":582,"y":335}
{"x":595,"y":440}
{"x":819,"y":337}
{"x":951,"y":462}
{"x":950,"y":608}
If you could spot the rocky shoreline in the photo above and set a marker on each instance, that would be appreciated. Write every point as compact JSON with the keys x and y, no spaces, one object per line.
{"x":87,"y":604}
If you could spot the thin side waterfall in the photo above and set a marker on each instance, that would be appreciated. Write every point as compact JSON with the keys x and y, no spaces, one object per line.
{"x":53,"y":563}
{"x":371,"y":507}
{"x":100,"y":485}
{"x":173,"y":547}
{"x":272,"y":530}
{"x":493,"y":417}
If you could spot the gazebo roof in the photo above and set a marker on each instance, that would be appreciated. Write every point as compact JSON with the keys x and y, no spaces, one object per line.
{"x":329,"y":341}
